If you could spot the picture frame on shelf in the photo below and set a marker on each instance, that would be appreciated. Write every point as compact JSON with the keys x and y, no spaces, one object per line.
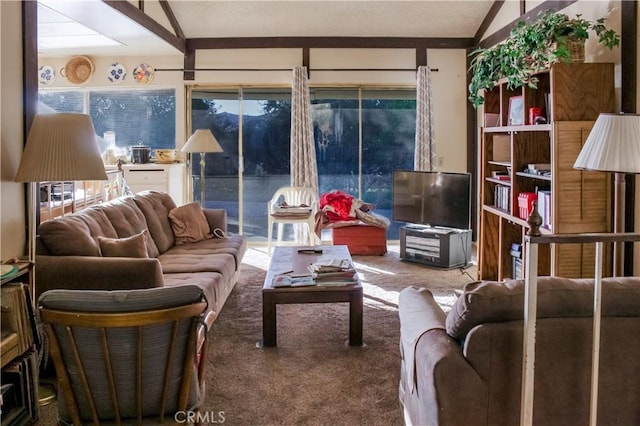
{"x":516,"y":111}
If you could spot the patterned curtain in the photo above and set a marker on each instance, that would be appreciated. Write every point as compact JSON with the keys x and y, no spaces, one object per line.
{"x":304,"y":170}
{"x":425,"y":154}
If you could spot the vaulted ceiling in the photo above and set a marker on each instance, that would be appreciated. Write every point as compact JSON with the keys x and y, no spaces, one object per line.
{"x":152,"y":27}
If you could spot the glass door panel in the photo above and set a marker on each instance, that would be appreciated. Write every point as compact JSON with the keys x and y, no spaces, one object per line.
{"x":218,"y":111}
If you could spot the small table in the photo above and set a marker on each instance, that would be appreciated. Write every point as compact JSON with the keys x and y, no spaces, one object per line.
{"x":285,"y":259}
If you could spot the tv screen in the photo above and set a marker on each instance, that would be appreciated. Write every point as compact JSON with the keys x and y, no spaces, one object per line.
{"x":432,"y":198}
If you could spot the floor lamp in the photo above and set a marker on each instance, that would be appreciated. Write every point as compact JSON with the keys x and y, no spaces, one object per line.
{"x":202,"y":141}
{"x":614,"y":146}
{"x":60,"y":148}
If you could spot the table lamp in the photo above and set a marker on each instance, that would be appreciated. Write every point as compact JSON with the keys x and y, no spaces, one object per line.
{"x":201,"y":141}
{"x":614,"y":146}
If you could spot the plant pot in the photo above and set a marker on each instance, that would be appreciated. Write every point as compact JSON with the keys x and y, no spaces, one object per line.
{"x":576,"y":49}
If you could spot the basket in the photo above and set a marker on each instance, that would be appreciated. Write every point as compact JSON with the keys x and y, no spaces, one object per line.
{"x":576,"y":49}
{"x":78,"y":70}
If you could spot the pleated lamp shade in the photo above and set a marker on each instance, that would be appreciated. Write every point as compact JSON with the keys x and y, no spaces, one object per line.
{"x":61,"y":147}
{"x":613,"y":145}
{"x":202,"y":140}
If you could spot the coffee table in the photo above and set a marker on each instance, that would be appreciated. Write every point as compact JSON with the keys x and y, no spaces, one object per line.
{"x":287,"y":258}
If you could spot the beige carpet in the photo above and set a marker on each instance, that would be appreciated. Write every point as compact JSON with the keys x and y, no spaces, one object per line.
{"x":313,"y":377}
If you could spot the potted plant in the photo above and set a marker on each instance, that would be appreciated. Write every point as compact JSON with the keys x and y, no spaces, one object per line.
{"x":551,"y":37}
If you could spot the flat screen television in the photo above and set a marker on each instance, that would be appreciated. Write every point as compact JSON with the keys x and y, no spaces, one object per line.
{"x":432,"y":198}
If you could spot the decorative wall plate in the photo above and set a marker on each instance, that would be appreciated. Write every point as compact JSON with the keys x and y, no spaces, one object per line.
{"x":46,"y":75}
{"x":116,"y":73}
{"x":78,"y":70}
{"x":144,"y":73}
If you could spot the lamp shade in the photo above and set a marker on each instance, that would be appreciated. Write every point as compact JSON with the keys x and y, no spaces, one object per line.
{"x":61,"y":147}
{"x":202,"y":140}
{"x":613,"y":145}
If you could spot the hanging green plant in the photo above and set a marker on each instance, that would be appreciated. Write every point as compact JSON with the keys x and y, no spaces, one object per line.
{"x":552,"y":37}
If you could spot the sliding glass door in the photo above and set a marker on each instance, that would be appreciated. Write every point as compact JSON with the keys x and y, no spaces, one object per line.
{"x":361,"y":136}
{"x":253,"y":127}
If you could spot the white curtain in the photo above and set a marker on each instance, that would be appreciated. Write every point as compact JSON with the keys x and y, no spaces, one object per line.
{"x":425,"y":151}
{"x":304,"y":169}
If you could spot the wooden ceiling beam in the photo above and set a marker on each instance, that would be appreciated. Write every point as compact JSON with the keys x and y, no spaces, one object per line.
{"x":141,"y":18}
{"x":164,"y":4}
{"x":329,"y":42}
{"x":504,"y":32}
{"x":491,"y":15}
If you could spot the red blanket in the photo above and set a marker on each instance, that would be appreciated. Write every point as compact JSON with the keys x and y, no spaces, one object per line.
{"x":337,"y":206}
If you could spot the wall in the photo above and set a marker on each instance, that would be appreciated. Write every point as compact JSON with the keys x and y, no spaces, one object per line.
{"x":274,"y":68}
{"x":12,"y":213}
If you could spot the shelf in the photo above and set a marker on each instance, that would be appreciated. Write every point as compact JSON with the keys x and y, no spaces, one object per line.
{"x":513,"y":219}
{"x":500,"y":163}
{"x":499,"y":181}
{"x":534,"y":176}
{"x":526,"y":128}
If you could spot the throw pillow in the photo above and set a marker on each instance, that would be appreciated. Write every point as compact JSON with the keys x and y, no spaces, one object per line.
{"x":189,"y":224}
{"x":133,"y":246}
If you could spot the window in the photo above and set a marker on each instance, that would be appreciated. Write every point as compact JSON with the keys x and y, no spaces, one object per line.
{"x":128,"y":117}
{"x":146,"y":117}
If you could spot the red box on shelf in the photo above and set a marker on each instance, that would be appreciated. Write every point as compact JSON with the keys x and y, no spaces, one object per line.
{"x":525,"y":203}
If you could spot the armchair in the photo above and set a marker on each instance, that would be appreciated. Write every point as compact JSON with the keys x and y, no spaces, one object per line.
{"x":126,"y":354}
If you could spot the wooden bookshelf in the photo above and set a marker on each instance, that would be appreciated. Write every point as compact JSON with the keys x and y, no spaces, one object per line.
{"x":571,"y":96}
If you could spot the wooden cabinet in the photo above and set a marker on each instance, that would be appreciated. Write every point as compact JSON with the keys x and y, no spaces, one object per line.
{"x":154,"y":176}
{"x":538,"y":159}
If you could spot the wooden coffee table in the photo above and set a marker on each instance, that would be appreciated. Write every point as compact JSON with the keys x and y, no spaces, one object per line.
{"x":287,"y":258}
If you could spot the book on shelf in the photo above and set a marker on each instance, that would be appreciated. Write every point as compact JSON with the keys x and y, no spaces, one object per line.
{"x":544,"y":207}
{"x":16,"y":312}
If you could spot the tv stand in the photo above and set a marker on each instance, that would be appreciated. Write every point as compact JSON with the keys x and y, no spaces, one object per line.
{"x":435,"y":246}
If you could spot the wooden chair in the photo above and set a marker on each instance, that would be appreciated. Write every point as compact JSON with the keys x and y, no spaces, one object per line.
{"x":133,"y":355}
{"x":293,"y":197}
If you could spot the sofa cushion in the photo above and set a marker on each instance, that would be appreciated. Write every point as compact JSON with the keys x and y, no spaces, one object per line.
{"x":488,"y":301}
{"x":222,"y":263}
{"x":215,"y":287}
{"x":235,"y":245}
{"x":127,"y":219}
{"x":156,"y":206}
{"x":76,"y":235}
{"x":189,"y":224}
{"x":134,"y":246}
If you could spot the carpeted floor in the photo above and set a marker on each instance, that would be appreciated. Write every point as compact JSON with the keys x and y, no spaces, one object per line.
{"x":313,"y":377}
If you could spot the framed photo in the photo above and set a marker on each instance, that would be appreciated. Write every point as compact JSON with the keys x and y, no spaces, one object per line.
{"x":516,"y":111}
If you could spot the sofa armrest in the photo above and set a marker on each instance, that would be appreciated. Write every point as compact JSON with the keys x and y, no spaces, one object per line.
{"x":441,"y":386}
{"x":217,"y":219}
{"x":96,"y":273}
{"x":419,"y":313}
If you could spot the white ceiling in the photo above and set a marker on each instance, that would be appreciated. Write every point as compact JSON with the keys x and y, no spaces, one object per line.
{"x":267,"y":18}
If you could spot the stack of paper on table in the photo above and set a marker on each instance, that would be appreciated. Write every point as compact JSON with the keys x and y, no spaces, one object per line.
{"x":333,"y":272}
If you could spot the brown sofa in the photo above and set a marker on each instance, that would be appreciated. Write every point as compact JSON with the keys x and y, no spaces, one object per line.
{"x":465,"y":367}
{"x":72,"y":250}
